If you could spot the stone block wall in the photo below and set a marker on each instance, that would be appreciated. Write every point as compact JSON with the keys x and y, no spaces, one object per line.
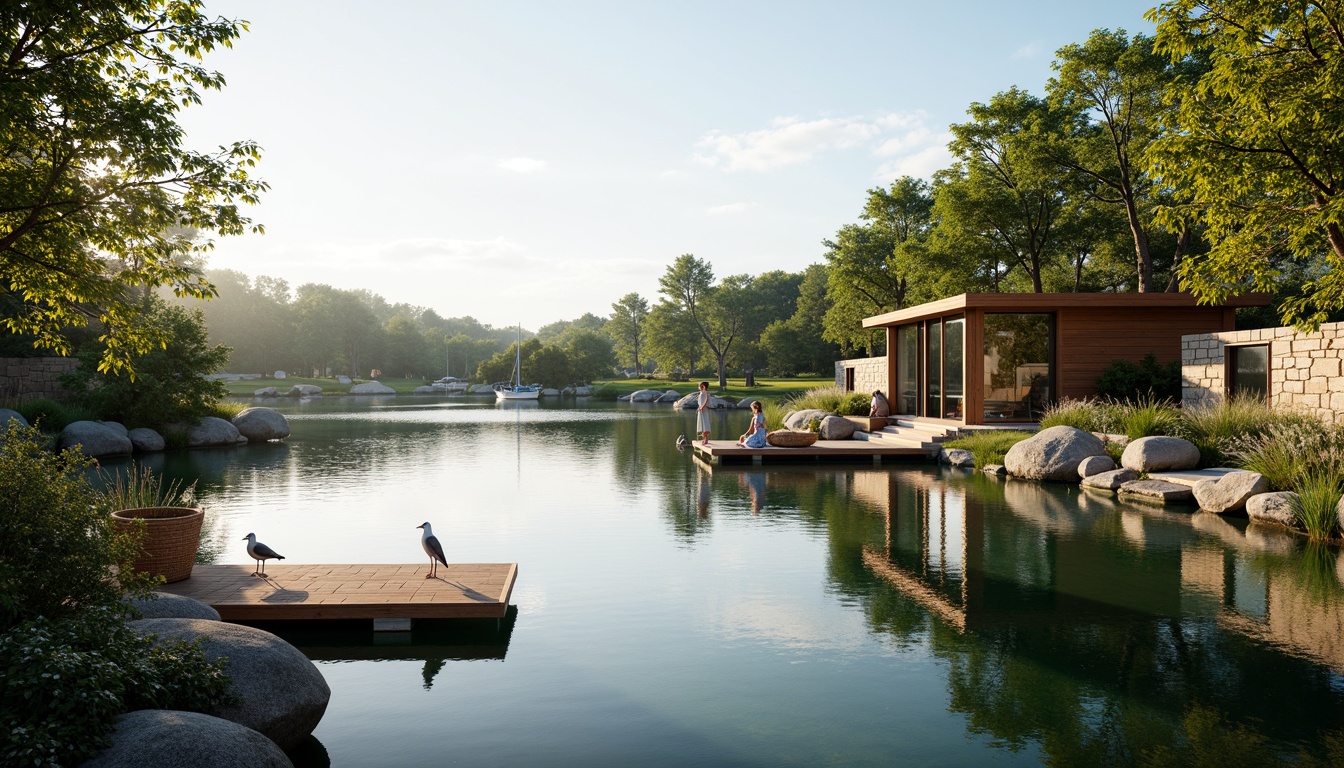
{"x":1306,"y":370}
{"x":869,"y":373}
{"x":30,"y":378}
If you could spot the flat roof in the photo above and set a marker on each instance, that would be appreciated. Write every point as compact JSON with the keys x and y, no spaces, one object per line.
{"x":1047,"y":302}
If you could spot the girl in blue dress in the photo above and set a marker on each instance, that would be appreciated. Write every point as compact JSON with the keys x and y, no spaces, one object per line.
{"x":755,"y":437}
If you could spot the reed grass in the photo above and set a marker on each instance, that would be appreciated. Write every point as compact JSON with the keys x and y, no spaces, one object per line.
{"x":141,"y":487}
{"x":831,"y":399}
{"x":989,"y":446}
{"x":1317,"y":502}
{"x":1147,"y":417}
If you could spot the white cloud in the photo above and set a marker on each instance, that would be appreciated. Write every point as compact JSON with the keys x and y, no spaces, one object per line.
{"x":521,"y":165}
{"x":1031,"y":50}
{"x":444,"y":251}
{"x":921,"y":163}
{"x":724,"y":210}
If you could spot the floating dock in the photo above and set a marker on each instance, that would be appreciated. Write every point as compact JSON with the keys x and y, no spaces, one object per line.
{"x":396,"y":593}
{"x":728,"y":451}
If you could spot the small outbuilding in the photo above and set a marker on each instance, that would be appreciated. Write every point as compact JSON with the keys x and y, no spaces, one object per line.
{"x":987,"y":358}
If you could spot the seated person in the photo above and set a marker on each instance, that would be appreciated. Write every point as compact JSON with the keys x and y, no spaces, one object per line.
{"x":881,"y":407}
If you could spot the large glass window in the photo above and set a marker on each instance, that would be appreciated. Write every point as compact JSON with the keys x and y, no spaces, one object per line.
{"x":907,"y":376}
{"x":954,"y":344}
{"x":1019,"y":370}
{"x":1250,"y":371}
{"x":933,"y":369}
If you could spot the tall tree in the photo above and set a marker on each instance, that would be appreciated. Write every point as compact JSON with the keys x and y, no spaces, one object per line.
{"x":1117,"y":89}
{"x":627,"y":326}
{"x":718,"y":312}
{"x":1256,"y":151}
{"x":674,"y":342}
{"x":95,"y":183}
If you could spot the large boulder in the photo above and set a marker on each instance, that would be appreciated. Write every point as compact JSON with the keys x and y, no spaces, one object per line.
{"x":671,"y":396}
{"x":1276,"y":508}
{"x":261,"y":424}
{"x":550,"y":392}
{"x":93,"y":438}
{"x":116,"y":426}
{"x":691,"y":402}
{"x":162,"y":738}
{"x":372,"y":388}
{"x":1229,"y":492}
{"x":277,"y":690}
{"x":1095,"y":465}
{"x":166,"y":605}
{"x":800,"y":419}
{"x":1052,"y":454}
{"x":423,"y":390}
{"x":7,"y":415}
{"x":266,"y":392}
{"x":212,"y":432}
{"x":305,"y":390}
{"x":1159,"y":491}
{"x":837,"y":428}
{"x":645,"y":396}
{"x":146,"y":440}
{"x":956,"y":457}
{"x":584,"y":390}
{"x":1159,"y":454}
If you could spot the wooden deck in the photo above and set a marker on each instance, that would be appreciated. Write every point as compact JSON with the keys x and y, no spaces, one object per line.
{"x":461,"y":591}
{"x":822,"y":450}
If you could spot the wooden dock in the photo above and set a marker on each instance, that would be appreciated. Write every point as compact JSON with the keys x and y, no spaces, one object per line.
{"x":379,"y":592}
{"x":840,"y":450}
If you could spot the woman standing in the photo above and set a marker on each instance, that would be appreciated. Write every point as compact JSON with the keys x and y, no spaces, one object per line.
{"x":702,"y":413}
{"x":755,"y":437}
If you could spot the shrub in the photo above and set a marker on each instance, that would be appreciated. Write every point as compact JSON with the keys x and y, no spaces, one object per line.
{"x":58,"y":544}
{"x":1285,"y":453}
{"x":65,"y":681}
{"x":51,"y":416}
{"x":832,"y":400}
{"x":1088,"y":415}
{"x":1146,"y":416}
{"x":1216,"y":428}
{"x":989,"y":446}
{"x":1123,"y":380}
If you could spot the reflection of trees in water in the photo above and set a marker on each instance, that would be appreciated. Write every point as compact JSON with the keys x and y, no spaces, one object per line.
{"x":1077,"y":643}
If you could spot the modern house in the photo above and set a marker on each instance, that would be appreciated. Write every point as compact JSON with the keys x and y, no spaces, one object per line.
{"x":988,"y":358}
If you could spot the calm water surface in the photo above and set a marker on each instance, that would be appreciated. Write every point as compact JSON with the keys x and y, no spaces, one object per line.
{"x":674,"y":614}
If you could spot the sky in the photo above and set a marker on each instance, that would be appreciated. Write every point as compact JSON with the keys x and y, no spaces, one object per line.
{"x":529,"y":161}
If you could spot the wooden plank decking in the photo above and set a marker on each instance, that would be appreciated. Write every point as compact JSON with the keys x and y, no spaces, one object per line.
{"x":728,"y":450}
{"x":461,"y":591}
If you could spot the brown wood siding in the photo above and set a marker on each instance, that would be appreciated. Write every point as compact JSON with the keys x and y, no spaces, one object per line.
{"x":1089,"y":340}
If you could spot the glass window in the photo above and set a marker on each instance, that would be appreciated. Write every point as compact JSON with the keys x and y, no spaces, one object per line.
{"x":907,"y":362}
{"x":933,"y":370}
{"x":1250,"y":371}
{"x":954,"y":342}
{"x":1019,"y":366}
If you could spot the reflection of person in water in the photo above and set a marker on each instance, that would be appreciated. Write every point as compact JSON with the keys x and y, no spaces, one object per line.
{"x":702,"y":497}
{"x":755,"y":482}
{"x":432,"y":667}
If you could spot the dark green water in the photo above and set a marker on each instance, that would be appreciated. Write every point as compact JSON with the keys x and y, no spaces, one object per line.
{"x":672,"y":614}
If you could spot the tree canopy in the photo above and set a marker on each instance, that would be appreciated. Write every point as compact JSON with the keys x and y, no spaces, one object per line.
{"x":100,"y":198}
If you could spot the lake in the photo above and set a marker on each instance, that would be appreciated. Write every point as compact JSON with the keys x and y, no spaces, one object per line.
{"x":670,"y":613}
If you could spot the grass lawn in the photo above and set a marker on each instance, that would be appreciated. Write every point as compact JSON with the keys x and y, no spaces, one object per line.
{"x":765,"y":389}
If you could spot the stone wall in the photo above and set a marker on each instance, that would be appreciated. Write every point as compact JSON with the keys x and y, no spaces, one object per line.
{"x":869,"y":373}
{"x":1305,"y":371}
{"x":30,"y":378}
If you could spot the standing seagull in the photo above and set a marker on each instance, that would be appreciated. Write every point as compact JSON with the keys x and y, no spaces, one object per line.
{"x":261,"y":553}
{"x":432,"y":548}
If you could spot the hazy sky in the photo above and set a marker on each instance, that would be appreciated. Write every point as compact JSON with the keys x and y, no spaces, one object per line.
{"x":532,"y":161}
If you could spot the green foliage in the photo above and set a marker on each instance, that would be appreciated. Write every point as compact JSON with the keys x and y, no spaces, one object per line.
{"x":989,"y":446}
{"x":58,"y":544}
{"x":1123,"y":380}
{"x":831,"y":399}
{"x":66,"y":681}
{"x":51,"y":416}
{"x":1145,"y":417}
{"x":1089,"y":415}
{"x":628,"y":327}
{"x":1317,"y":502}
{"x":169,"y":385}
{"x":99,"y":198}
{"x":1254,"y":146}
{"x":1286,"y":453}
{"x":1229,"y":432}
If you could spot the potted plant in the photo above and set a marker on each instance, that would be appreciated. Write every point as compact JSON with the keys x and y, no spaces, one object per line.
{"x":166,"y":519}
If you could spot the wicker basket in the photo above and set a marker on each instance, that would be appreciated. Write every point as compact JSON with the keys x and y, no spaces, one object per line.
{"x":172,"y":535}
{"x":787,"y":438}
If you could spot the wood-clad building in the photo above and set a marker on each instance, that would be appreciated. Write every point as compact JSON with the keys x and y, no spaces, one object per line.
{"x":986,"y":358}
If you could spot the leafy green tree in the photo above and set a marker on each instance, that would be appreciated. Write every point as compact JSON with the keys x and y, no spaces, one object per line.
{"x":253,"y":317}
{"x":547,"y":365}
{"x":1118,"y":90}
{"x":628,"y":327}
{"x":499,"y":366}
{"x":404,"y":348}
{"x":170,"y":384}
{"x":335,"y":327}
{"x":719,"y":312}
{"x":560,"y":330}
{"x":1255,"y":151}
{"x":674,"y":341}
{"x":590,"y":356}
{"x":870,"y":265}
{"x":95,"y":183}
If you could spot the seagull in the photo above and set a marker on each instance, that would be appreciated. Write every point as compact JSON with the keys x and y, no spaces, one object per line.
{"x":261,"y":553}
{"x":432,"y":548}
{"x":682,"y":442}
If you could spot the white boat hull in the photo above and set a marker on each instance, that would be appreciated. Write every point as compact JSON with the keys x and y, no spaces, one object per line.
{"x":510,"y":394}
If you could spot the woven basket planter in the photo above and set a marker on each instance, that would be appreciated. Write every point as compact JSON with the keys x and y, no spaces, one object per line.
{"x":787,"y":438}
{"x":172,"y":535}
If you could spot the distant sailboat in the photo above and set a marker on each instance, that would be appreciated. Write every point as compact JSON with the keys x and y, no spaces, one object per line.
{"x":517,"y":391}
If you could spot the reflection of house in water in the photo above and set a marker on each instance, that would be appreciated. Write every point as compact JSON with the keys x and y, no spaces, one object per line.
{"x":980,"y":554}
